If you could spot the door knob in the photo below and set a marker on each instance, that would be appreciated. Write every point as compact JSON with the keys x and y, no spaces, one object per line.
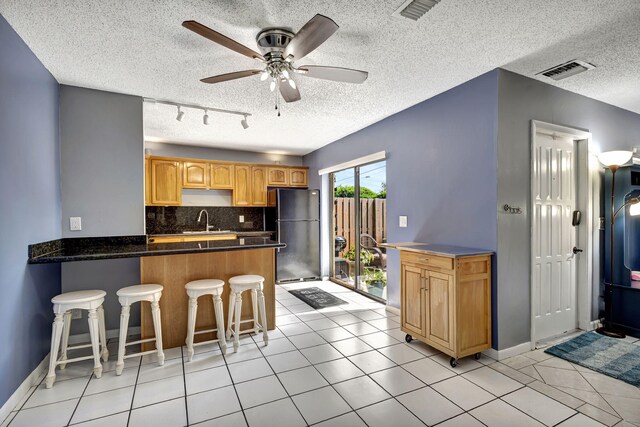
{"x":576,"y":250}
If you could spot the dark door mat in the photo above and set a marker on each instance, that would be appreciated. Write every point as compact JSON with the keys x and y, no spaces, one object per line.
{"x":316,"y":297}
{"x":610,"y":356}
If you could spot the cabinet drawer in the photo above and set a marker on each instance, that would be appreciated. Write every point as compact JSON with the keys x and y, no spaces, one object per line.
{"x":428,"y":260}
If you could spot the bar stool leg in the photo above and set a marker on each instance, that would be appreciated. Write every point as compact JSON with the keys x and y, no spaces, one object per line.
{"x":232,"y":302}
{"x":191,"y":325}
{"x":238,"y":311}
{"x":65,"y":338}
{"x":104,"y":352}
{"x":155,"y":313}
{"x":124,"y":325}
{"x":263,"y":317}
{"x":56,"y":334}
{"x":217,"y":308}
{"x":254,"y":303}
{"x":93,"y":332}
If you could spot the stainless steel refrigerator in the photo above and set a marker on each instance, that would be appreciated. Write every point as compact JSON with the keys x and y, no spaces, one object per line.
{"x":298,"y":225}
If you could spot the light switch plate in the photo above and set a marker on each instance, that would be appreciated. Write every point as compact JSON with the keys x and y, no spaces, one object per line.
{"x":75,"y":223}
{"x":403,"y":221}
{"x":241,"y":218}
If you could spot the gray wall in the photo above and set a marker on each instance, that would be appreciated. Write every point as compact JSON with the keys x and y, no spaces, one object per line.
{"x":441,"y":170}
{"x":101,"y":140}
{"x":521,"y":100}
{"x":30,"y":194}
{"x":189,"y":151}
{"x":102,"y":151}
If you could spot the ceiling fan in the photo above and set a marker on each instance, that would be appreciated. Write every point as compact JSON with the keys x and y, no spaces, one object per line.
{"x":280,"y":49}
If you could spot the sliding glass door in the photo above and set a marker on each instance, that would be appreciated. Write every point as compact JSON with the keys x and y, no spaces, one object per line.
{"x":359,"y":227}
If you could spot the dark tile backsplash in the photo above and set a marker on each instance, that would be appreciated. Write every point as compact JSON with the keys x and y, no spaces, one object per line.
{"x":175,"y":219}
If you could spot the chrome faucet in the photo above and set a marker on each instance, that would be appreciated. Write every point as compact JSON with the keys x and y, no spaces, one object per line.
{"x":208,"y":227}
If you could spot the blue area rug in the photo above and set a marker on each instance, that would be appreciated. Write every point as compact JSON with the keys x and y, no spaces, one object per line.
{"x":610,"y":356}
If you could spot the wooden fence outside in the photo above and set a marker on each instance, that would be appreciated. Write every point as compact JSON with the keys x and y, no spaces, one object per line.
{"x":373,"y":214}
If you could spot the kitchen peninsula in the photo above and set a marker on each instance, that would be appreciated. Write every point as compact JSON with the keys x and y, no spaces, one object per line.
{"x":172,"y":265}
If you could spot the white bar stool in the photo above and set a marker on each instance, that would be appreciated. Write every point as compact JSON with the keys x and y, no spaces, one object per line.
{"x":128,"y":296}
{"x":196,"y":289}
{"x":238,"y":285}
{"x":62,"y":305}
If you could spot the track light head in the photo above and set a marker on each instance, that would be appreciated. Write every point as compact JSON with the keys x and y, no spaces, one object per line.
{"x":180,"y":114}
{"x":205,"y":118}
{"x":244,"y":123}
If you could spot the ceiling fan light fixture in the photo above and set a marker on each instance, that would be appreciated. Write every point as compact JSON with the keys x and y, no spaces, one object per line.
{"x":205,"y":118}
{"x":285,"y":73}
{"x":272,"y":85}
{"x":180,"y":115}
{"x":264,"y":75}
{"x":292,"y":83}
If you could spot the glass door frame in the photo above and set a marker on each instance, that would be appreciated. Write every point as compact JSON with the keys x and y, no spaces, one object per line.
{"x":358,"y":224}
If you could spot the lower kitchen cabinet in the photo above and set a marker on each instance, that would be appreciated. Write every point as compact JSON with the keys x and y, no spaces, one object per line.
{"x":446,"y":302}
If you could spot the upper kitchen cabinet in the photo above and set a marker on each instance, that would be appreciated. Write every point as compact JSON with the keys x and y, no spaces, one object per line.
{"x":278,"y":177}
{"x":166,"y":182}
{"x":243,"y":186}
{"x":222,"y":176}
{"x":298,"y":177}
{"x":259,"y":186}
{"x":147,"y":181}
{"x":195,"y":175}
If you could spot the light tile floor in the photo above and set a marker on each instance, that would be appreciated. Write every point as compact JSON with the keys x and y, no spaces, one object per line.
{"x":341,"y":366}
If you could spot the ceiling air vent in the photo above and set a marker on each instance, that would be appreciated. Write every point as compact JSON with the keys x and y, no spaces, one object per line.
{"x":567,"y":69}
{"x":414,"y":9}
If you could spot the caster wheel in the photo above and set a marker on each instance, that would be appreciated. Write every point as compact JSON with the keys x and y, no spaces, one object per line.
{"x":477,"y":356}
{"x":453,"y":362}
{"x":408,"y":338}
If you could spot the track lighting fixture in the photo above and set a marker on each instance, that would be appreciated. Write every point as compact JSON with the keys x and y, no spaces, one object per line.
{"x":204,"y":109}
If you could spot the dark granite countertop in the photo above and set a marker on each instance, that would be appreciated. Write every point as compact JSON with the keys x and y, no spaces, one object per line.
{"x":217,"y":233}
{"x":97,"y":248}
{"x":438,"y":249}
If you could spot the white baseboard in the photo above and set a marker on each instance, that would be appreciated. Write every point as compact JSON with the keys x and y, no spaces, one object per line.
{"x":111,"y":333}
{"x":508,"y":352}
{"x":38,"y":373}
{"x":393,"y":310}
{"x":33,"y":379}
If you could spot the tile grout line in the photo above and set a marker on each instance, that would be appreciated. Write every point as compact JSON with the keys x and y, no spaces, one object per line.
{"x":135,"y":386}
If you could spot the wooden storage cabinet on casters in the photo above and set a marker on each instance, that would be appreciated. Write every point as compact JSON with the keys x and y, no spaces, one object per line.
{"x":446,"y":302}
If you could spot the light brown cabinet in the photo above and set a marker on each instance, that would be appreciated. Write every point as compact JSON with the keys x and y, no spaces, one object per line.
{"x":298,"y":177}
{"x":166,"y":182}
{"x":243,"y":186}
{"x":259,"y":186}
{"x":446,"y":302}
{"x":165,"y":177}
{"x":195,"y":175}
{"x":222,"y":176}
{"x":278,"y":177}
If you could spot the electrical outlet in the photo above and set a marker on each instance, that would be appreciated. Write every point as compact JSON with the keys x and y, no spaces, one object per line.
{"x":75,"y":223}
{"x":76,"y":313}
{"x":241,"y":218}
{"x":403,"y":221}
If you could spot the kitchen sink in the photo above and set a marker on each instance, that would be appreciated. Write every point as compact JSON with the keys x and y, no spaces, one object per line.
{"x":207,"y":232}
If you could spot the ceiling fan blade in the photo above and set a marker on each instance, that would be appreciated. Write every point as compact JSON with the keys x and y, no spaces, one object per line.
{"x":337,"y":74}
{"x":288,"y":93}
{"x":230,"y":76}
{"x":221,"y":39}
{"x":311,"y":35}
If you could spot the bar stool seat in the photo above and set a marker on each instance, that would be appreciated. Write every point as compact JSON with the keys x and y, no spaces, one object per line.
{"x":130,"y":295}
{"x":90,"y":300}
{"x":239,"y":284}
{"x":196,"y":289}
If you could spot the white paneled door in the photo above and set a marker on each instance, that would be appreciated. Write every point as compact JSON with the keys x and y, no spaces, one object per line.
{"x":554,"y":236}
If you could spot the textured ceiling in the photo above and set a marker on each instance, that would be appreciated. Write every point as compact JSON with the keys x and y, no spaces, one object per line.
{"x":139,"y":47}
